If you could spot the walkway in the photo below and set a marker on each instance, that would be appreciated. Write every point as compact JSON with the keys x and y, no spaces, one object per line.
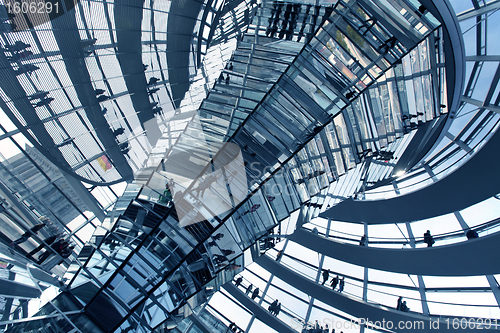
{"x":356,"y":307}
{"x":259,"y":312}
{"x":467,"y":258}
{"x":477,"y":180}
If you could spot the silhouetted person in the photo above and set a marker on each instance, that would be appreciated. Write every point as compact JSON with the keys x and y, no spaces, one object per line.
{"x":363,"y":241}
{"x":230,"y":66}
{"x":33,"y":230}
{"x":400,"y":300}
{"x":341,"y":285}
{"x":277,"y":309}
{"x":428,"y":239}
{"x":471,"y":234}
{"x":326,"y":275}
{"x":255,"y":293}
{"x":280,"y":254}
{"x":404,"y":307}
{"x":334,"y":282}
{"x":249,"y":289}
{"x":272,"y":306}
{"x":227,"y":79}
{"x":238,"y":281}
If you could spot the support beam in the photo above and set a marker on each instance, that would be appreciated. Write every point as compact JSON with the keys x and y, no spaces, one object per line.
{"x":459,"y":143}
{"x":495,"y":58}
{"x":490,"y":6}
{"x":480,"y":104}
{"x":494,"y":287}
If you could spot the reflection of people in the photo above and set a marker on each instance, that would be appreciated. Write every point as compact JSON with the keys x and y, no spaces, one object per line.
{"x":202,"y":187}
{"x":60,"y":246}
{"x":167,"y":195}
{"x":252,"y":209}
{"x":227,"y":252}
{"x":218,"y":236}
{"x":49,"y":240}
{"x":28,"y":234}
{"x":363,"y":241}
{"x":233,"y":267}
{"x":217,"y":258}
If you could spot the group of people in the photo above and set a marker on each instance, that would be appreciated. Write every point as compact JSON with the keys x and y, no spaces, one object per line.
{"x":255,"y":293}
{"x":428,"y":239}
{"x":340,"y":281}
{"x":24,"y":237}
{"x":219,"y":259}
{"x":274,"y":308}
{"x":57,"y":243}
{"x":61,"y":246}
{"x":334,"y":282}
{"x":401,"y":306}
